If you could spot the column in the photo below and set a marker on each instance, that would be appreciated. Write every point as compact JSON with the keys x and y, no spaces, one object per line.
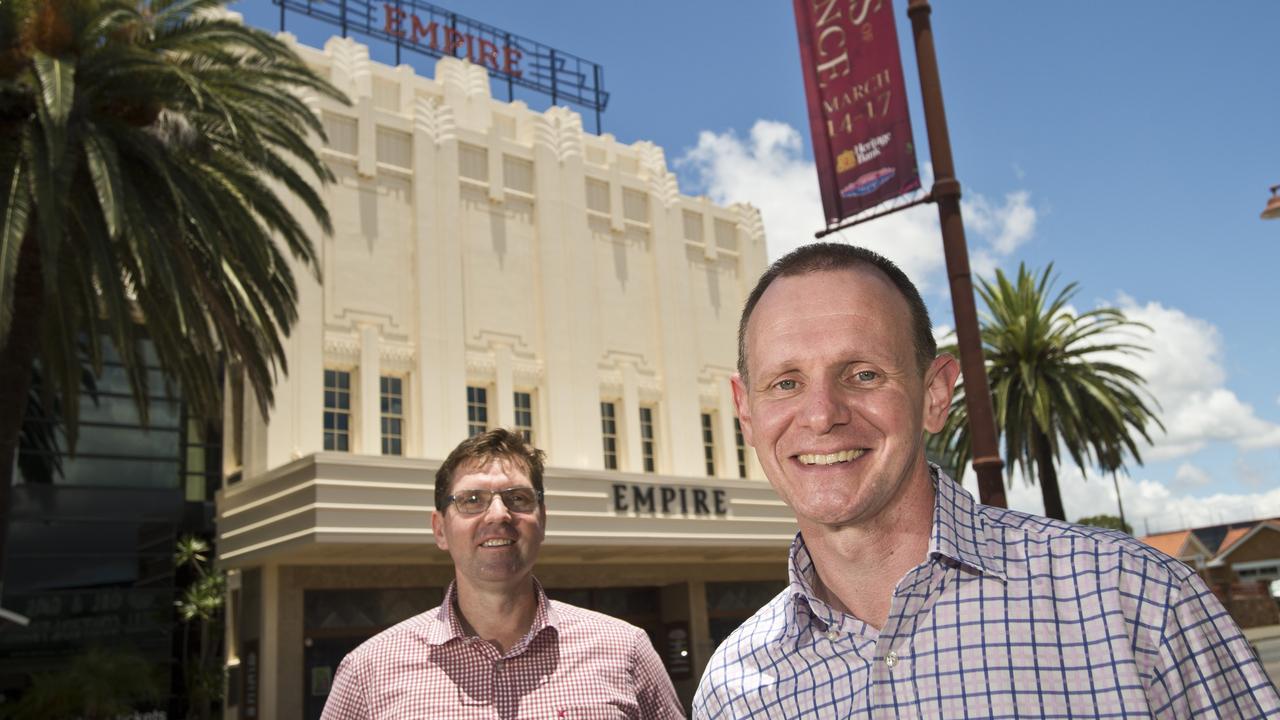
{"x":369,"y":398}
{"x":503,"y":406}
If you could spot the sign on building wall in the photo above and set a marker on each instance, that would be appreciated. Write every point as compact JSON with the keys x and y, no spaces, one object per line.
{"x":421,"y":28}
{"x":857,"y":104}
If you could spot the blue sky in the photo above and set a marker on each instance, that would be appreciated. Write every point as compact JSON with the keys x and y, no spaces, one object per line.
{"x":1130,"y":144}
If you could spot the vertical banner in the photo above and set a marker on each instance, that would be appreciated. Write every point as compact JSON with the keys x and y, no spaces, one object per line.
{"x":857,"y":104}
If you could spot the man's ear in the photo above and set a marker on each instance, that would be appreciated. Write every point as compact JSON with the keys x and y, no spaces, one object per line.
{"x":939,"y":385}
{"x":437,"y":529}
{"x":744,"y":409}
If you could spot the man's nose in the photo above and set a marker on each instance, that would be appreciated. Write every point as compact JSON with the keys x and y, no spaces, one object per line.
{"x":497,"y":509}
{"x":823,"y":407}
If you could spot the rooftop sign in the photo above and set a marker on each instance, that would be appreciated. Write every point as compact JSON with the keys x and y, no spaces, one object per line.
{"x":429,"y":30}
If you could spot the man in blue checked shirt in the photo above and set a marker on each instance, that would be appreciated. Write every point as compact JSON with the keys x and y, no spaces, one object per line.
{"x":906,"y":597}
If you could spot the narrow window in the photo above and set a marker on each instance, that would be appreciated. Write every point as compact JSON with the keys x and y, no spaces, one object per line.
{"x":609,"y":431}
{"x":709,"y":443}
{"x":337,"y":410}
{"x":648,"y":443}
{"x":392,"y":415}
{"x":524,"y":415}
{"x":477,"y":410}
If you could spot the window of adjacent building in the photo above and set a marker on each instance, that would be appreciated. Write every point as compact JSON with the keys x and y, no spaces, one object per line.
{"x":692,"y":226}
{"x":517,"y":174}
{"x":598,"y":196}
{"x":392,"y":391}
{"x":524,"y":415}
{"x":742,"y":448}
{"x":648,"y":441}
{"x":635,"y":205}
{"x":709,"y":443}
{"x":394,"y":147}
{"x":726,"y":235}
{"x":337,"y":410}
{"x":609,"y":431}
{"x":341,"y":132}
{"x":473,"y":162}
{"x":477,"y":410}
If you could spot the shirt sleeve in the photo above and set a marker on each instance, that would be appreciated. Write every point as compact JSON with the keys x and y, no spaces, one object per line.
{"x":654,"y":692}
{"x":346,"y":697}
{"x":1206,"y":666}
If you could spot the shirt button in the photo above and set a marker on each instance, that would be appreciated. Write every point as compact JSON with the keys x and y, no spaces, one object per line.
{"x":891,"y":659}
{"x":497,"y":665}
{"x":832,"y":635}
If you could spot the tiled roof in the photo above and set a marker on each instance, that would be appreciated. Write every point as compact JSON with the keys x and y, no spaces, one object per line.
{"x":1170,"y":543}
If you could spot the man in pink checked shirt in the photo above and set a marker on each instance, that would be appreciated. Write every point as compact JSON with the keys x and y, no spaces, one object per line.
{"x":497,"y":647}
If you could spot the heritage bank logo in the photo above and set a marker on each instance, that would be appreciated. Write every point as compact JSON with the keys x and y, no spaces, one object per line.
{"x":667,"y":500}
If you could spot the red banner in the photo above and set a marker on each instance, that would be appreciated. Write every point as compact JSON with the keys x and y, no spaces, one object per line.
{"x":857,"y":104}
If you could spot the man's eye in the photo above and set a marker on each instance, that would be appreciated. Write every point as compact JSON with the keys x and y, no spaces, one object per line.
{"x":470,"y":499}
{"x":866,"y":375}
{"x":786,"y":385}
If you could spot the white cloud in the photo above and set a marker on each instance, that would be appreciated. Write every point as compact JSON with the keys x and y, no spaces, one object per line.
{"x":1148,"y":505}
{"x":769,"y":170}
{"x":1184,"y":372}
{"x":1192,"y":476}
{"x":1007,"y":226}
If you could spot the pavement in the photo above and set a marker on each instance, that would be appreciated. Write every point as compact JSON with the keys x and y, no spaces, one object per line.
{"x":1266,"y":641}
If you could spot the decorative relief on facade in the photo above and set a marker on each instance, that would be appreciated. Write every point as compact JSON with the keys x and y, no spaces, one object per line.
{"x":345,"y":347}
{"x":711,"y":380}
{"x":560,"y":130}
{"x":396,"y":356}
{"x":470,"y":79}
{"x":350,"y":71}
{"x":481,"y":365}
{"x":662,"y":182}
{"x":611,"y":383}
{"x":750,"y":222}
{"x":434,"y":119}
{"x":527,"y":372}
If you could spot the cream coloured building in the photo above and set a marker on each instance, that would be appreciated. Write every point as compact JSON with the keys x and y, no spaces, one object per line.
{"x":493,"y":265}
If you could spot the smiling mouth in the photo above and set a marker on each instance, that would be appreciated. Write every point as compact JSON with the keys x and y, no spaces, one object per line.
{"x":830,"y":458}
{"x":497,"y":542}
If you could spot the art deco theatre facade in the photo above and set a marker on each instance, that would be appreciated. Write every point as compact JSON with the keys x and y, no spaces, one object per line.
{"x":493,"y":265}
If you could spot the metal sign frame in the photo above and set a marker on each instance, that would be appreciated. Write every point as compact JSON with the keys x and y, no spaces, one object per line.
{"x":425,"y":29}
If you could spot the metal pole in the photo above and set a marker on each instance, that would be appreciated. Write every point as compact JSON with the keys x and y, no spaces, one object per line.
{"x":946,"y":193}
{"x":596,"y":73}
{"x":553,"y":77}
{"x":511,"y":81}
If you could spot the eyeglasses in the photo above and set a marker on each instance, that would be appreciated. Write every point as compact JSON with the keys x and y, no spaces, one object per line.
{"x":517,"y":500}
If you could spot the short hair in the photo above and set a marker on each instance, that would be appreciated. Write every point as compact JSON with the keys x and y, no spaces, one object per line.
{"x":819,"y":257}
{"x":507,"y":446}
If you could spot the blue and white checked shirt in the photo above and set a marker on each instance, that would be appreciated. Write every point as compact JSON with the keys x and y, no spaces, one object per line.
{"x":1010,"y":616}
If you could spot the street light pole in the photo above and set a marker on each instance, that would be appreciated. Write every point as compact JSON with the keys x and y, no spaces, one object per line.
{"x":946,"y":193}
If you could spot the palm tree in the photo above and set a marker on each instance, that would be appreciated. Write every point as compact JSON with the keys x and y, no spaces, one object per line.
{"x":1054,"y":384}
{"x":147,"y":151}
{"x":201,"y":603}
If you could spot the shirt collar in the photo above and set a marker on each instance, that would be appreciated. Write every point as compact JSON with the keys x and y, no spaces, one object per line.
{"x":446,"y":626}
{"x":959,"y":533}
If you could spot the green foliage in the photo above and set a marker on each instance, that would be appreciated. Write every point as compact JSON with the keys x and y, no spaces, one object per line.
{"x":1055,"y":383}
{"x":101,"y":683}
{"x":1110,"y":522}
{"x":147,"y":148}
{"x":201,"y":605}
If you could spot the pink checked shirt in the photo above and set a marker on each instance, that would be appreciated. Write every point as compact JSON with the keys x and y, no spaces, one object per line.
{"x":573,"y":663}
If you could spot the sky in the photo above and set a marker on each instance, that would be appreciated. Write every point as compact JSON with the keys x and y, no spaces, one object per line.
{"x":1133,"y":149}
